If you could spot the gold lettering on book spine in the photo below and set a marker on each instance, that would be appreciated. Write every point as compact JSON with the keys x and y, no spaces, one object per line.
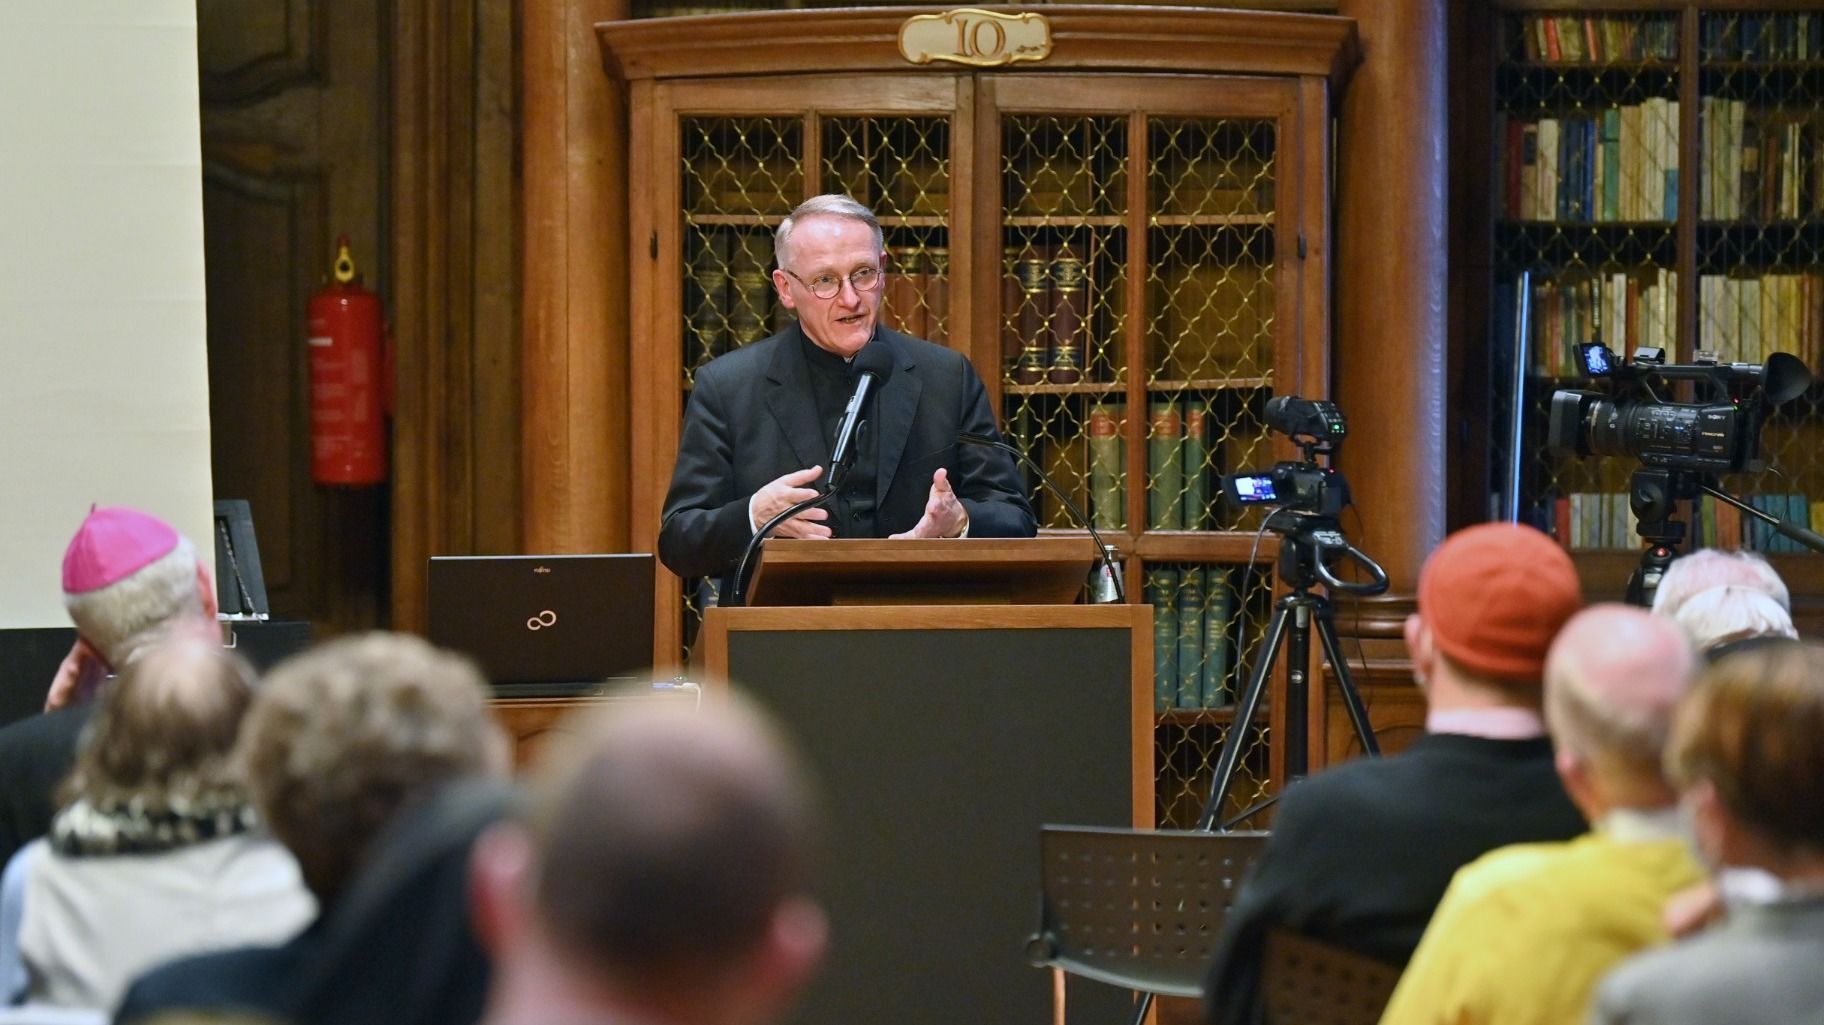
{"x":972,"y":36}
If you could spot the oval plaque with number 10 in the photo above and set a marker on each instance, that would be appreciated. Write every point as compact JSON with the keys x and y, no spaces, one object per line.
{"x":971,"y":36}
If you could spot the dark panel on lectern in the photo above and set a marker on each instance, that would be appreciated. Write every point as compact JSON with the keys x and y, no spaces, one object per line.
{"x":941,"y":753}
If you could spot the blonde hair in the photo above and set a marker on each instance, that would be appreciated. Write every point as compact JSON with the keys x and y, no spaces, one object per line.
{"x":1754,"y":729}
{"x":343,"y":736}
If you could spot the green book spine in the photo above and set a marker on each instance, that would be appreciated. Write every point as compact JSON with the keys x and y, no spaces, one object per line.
{"x":1218,"y":642}
{"x":1196,"y":466}
{"x":1107,"y":491}
{"x":1165,"y":468}
{"x":1611,"y":165}
{"x":1161,"y":594}
{"x":1190,"y":637}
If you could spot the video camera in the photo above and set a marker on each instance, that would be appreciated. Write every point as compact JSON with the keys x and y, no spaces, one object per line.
{"x":1720,"y":433}
{"x":1300,"y":485}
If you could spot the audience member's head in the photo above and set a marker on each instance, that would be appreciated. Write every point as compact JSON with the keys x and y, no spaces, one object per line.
{"x":163,"y":736}
{"x":664,"y":878}
{"x":1722,"y":619}
{"x":1747,"y":751}
{"x":1699,"y":571}
{"x":127,"y":577}
{"x":1491,"y":598}
{"x":343,"y":736}
{"x":1612,"y":681}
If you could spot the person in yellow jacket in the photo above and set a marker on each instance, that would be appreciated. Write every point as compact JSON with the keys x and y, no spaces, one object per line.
{"x":1525,"y":932}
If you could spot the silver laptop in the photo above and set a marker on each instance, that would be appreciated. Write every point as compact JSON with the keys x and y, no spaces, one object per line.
{"x":546,"y":625}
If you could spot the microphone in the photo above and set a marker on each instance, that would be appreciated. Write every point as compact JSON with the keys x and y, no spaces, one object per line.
{"x":873,"y":365}
{"x":1108,"y":560}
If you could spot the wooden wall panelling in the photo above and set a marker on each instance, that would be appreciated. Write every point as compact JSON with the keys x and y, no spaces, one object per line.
{"x":453,"y":302}
{"x":291,"y":125}
{"x":575,"y":435}
{"x":1390,"y":287}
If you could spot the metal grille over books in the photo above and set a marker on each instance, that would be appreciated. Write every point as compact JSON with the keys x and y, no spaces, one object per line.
{"x":1209,"y":335}
{"x":1135,"y":908}
{"x":1063,"y":311}
{"x":900,"y":169}
{"x":1585,"y":197}
{"x":1208,"y":622}
{"x":1760,"y":239}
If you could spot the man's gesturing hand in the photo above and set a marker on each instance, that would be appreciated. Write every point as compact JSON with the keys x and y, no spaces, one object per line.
{"x":784,"y":493}
{"x":944,"y":514}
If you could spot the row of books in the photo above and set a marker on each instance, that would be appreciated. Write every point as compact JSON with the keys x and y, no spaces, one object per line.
{"x":917,"y":299}
{"x":1619,"y":164}
{"x":1045,"y":297}
{"x":1747,"y":319}
{"x":1623,"y":309}
{"x":729,"y":299}
{"x":1761,"y":36}
{"x":1721,"y":525}
{"x":1605,"y":520}
{"x":1195,"y":621}
{"x":1758,"y":169}
{"x":1181,"y":478}
{"x":1596,"y":39}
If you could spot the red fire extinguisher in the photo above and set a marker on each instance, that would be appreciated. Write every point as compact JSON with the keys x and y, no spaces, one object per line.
{"x":347,"y":389}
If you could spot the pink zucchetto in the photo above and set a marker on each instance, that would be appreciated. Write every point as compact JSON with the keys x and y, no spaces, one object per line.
{"x":112,"y":544}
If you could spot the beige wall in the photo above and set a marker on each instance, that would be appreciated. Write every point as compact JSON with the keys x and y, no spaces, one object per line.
{"x":103,"y":373}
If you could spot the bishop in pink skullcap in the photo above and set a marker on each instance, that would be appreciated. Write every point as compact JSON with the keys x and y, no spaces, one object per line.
{"x":112,"y":544}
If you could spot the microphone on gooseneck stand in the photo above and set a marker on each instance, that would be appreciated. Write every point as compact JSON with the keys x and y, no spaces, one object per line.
{"x":1108,"y":559}
{"x":872,"y":365}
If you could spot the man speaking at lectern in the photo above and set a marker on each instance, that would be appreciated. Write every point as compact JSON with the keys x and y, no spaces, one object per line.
{"x":763,"y":420}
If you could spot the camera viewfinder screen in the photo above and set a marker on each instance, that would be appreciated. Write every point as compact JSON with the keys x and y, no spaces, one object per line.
{"x":1255,"y":489}
{"x":1597,"y":360}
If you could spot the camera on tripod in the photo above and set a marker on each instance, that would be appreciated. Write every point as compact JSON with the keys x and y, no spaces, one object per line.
{"x":1719,"y":433}
{"x":1299,"y":485}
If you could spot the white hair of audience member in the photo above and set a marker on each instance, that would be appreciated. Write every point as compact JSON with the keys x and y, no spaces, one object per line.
{"x":1732,"y":613}
{"x":131,"y":614}
{"x":1707,"y":568}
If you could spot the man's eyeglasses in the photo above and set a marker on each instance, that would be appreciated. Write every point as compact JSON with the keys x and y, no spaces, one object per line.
{"x":828,"y":286}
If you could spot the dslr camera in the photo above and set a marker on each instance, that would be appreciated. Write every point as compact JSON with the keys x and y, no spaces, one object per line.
{"x":1718,"y":433}
{"x":1299,"y":485}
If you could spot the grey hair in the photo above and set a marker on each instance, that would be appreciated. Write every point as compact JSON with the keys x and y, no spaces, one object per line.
{"x":1731,"y":613}
{"x":827,"y":205}
{"x":127,"y":615}
{"x":1706,"y":568}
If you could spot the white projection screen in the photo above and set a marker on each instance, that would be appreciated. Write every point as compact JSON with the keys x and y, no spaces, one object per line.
{"x":104,"y":392}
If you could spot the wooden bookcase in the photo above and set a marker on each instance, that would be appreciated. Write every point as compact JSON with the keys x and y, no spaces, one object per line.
{"x":1133,"y":227}
{"x":1696,"y":127}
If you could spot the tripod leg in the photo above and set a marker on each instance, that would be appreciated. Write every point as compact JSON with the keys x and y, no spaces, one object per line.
{"x":1352,"y":699}
{"x":1244,"y":714}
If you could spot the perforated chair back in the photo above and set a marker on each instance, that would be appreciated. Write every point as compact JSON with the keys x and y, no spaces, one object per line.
{"x":1308,"y":982}
{"x":1140,"y":909}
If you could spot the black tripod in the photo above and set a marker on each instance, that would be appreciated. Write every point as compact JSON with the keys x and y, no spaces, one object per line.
{"x":1654,"y":495}
{"x":1309,"y":539}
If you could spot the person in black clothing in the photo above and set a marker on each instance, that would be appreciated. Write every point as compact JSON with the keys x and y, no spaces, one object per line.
{"x":1361,"y":853}
{"x":353,"y":753}
{"x":761,"y":426}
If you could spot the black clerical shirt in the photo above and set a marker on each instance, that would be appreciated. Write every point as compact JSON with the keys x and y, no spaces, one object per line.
{"x":832,"y":385}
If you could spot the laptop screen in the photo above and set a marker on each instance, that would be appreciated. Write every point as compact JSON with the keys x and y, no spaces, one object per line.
{"x":567,"y":622}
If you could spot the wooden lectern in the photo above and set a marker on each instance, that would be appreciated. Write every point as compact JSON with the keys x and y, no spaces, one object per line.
{"x":951,"y":701}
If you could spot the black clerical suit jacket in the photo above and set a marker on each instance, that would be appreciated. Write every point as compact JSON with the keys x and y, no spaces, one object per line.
{"x":753,"y":418}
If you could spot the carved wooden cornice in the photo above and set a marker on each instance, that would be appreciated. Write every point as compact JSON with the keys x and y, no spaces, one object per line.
{"x":1084,"y":38}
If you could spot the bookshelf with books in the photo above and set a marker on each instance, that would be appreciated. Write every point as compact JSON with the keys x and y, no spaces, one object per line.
{"x":1115,"y":238}
{"x":1657,"y":177}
